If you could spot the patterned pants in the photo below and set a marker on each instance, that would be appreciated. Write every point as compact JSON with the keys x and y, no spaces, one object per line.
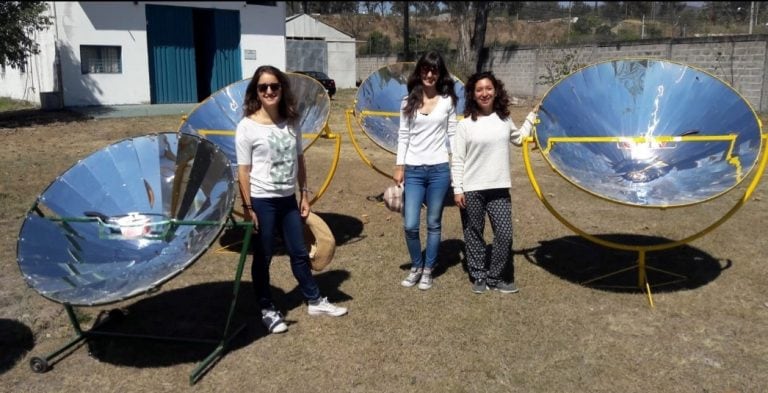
{"x":497,"y":204}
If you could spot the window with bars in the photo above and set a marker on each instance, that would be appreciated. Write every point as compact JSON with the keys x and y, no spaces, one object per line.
{"x":95,"y":59}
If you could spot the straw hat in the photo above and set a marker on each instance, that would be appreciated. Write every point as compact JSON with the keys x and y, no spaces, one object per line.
{"x":320,"y":242}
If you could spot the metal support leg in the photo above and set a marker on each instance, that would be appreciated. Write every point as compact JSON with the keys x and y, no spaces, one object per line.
{"x":203,"y":366}
{"x":41,"y":365}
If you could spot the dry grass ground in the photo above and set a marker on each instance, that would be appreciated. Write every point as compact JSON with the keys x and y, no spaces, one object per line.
{"x":708,"y":334}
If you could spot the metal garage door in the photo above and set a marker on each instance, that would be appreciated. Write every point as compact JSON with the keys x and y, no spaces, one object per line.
{"x":306,"y":55}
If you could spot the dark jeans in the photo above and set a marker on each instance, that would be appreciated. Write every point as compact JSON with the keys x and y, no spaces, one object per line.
{"x":282,"y":213}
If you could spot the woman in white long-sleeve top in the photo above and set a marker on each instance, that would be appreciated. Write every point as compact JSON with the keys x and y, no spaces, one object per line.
{"x":427,"y":123}
{"x":481,"y":179}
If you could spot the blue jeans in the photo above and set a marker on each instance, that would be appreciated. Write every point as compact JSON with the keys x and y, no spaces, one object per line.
{"x":273,"y":214}
{"x":426,"y":184}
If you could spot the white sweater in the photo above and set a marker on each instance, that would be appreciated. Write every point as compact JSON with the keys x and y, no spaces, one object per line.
{"x":480,"y":159}
{"x":425,"y":139}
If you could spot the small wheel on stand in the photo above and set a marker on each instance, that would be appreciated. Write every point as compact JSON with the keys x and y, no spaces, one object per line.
{"x":39,"y":365}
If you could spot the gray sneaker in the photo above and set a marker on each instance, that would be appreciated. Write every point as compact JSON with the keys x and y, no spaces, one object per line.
{"x":273,"y":320}
{"x":413,"y":277}
{"x":479,"y":286}
{"x":504,"y":287}
{"x":426,"y":280}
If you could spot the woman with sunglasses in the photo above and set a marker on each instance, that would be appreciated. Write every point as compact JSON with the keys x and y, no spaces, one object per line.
{"x":481,"y":179}
{"x":427,"y":123}
{"x":270,"y":166}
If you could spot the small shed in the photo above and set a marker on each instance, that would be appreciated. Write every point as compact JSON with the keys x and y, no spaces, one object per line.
{"x":312,"y":45}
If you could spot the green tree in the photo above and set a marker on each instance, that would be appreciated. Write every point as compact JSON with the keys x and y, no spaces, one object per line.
{"x":727,"y":12}
{"x":471,"y":20}
{"x":542,"y":10}
{"x":604,"y":33}
{"x":426,"y":8}
{"x":653,"y":31}
{"x":321,"y":7}
{"x":559,"y":67}
{"x":580,"y":8}
{"x":671,"y":9}
{"x":612,"y":10}
{"x":377,"y":43}
{"x":636,"y":9}
{"x":398,"y":7}
{"x":511,"y":8}
{"x":584,"y":25}
{"x":19,"y":20}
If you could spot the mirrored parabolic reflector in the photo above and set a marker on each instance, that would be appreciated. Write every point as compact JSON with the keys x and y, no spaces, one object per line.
{"x":109,"y":227}
{"x":648,"y":132}
{"x":377,"y":105}
{"x":217,"y":116}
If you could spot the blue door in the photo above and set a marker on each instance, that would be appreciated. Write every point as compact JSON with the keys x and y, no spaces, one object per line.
{"x":170,"y":41}
{"x":227,"y":67}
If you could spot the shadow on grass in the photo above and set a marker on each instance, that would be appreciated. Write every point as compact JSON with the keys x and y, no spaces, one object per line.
{"x":194,"y":313}
{"x":345,"y":229}
{"x":197,"y":312}
{"x":450,"y":253}
{"x":38,"y":117}
{"x":329,"y":283}
{"x":581,"y":261}
{"x":15,"y":340}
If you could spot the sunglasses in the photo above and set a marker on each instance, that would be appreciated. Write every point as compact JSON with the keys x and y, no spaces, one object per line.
{"x":262,"y":87}
{"x":426,"y":69}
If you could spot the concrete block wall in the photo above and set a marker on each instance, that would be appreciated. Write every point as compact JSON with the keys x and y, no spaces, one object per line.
{"x":368,"y":65}
{"x":741,"y":61}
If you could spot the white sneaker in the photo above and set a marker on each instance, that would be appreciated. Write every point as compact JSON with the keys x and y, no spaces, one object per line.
{"x":426,"y":280}
{"x":324,"y":307}
{"x":413,"y":277}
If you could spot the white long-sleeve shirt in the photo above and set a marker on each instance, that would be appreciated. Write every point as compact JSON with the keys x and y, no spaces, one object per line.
{"x":425,"y":139}
{"x":480,"y":159}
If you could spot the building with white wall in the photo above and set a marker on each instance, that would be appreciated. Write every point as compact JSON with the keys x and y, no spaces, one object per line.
{"x":147,"y":52}
{"x":312,"y":45}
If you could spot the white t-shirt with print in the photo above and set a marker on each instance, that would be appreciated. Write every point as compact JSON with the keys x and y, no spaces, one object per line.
{"x":272,"y":151}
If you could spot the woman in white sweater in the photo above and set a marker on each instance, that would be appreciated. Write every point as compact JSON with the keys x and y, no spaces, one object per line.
{"x":427,"y":123}
{"x":481,"y":179}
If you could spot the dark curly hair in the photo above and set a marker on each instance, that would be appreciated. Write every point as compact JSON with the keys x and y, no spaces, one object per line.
{"x":500,"y":102}
{"x":287,"y":104}
{"x":444,"y":83}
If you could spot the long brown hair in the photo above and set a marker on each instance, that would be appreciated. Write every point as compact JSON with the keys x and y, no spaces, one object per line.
{"x":500,"y":101}
{"x":287,"y":105}
{"x":444,"y":83}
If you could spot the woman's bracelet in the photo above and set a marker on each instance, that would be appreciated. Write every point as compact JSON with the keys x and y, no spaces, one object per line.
{"x":246,"y":206}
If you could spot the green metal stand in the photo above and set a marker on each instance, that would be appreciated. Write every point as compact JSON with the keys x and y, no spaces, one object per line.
{"x":43,"y":364}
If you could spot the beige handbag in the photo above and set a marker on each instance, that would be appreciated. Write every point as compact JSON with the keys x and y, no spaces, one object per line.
{"x":393,"y":198}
